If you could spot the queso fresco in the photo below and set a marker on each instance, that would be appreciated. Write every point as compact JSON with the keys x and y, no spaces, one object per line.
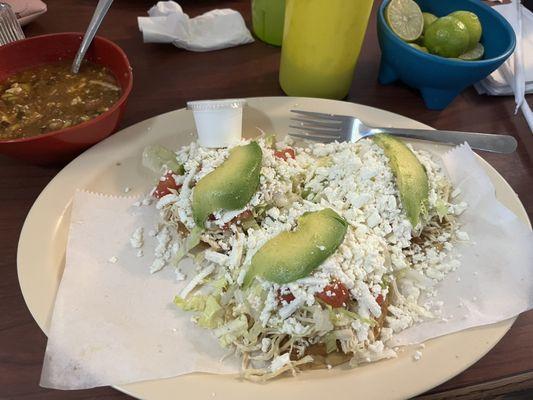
{"x":50,"y":97}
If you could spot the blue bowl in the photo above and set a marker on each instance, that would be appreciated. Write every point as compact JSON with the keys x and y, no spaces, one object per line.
{"x":441,"y":79}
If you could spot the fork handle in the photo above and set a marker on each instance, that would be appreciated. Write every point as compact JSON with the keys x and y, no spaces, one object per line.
{"x":481,"y":141}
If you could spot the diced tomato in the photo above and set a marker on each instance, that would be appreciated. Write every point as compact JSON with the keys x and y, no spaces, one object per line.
{"x":335,"y":294}
{"x":379,"y":299}
{"x":166,"y":183}
{"x":287,"y":297}
{"x":285,"y":153}
{"x":241,"y":217}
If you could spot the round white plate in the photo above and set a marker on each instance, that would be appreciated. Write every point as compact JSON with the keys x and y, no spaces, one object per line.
{"x":114,"y":164}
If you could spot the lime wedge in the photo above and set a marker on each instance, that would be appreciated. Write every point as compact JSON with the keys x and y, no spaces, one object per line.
{"x":405,"y":19}
{"x":475,"y":54}
{"x":418,"y":47}
{"x":428,"y":19}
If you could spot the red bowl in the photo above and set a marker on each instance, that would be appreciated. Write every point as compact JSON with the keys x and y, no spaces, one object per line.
{"x":63,"y":145}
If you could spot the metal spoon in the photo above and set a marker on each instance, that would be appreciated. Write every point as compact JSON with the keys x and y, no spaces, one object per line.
{"x":98,"y":16}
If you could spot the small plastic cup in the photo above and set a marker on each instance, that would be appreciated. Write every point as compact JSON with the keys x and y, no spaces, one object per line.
{"x":218,"y":122}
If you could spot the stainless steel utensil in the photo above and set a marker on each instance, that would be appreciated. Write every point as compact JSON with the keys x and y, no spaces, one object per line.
{"x":96,"y":20}
{"x":326,"y":128}
{"x":10,"y":30}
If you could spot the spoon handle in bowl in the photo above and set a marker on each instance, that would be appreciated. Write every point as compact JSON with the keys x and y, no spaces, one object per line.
{"x":96,"y":20}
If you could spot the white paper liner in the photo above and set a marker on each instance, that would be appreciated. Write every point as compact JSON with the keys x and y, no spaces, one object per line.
{"x":115,"y":323}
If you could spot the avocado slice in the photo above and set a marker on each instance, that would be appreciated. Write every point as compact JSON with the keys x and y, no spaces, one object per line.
{"x":231,"y":185}
{"x":411,"y":177}
{"x":294,"y":255}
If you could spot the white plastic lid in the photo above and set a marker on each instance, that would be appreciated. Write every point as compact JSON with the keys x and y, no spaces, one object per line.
{"x":218,"y":122}
{"x":208,"y":105}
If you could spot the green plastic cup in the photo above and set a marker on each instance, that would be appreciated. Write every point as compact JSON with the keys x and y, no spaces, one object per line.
{"x":267,"y":20}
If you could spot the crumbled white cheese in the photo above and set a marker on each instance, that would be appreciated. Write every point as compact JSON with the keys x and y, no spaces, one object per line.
{"x":280,"y":361}
{"x":146,"y":201}
{"x":137,"y":239}
{"x":461,"y":235}
{"x":265,"y":344}
{"x":376,"y":258}
{"x":180,"y":276}
{"x":417,"y":355}
{"x":113,"y":260}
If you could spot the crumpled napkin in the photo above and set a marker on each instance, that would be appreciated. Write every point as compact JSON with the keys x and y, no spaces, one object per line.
{"x":114,"y":323}
{"x":26,"y":10}
{"x":515,"y":76}
{"x":214,"y":30}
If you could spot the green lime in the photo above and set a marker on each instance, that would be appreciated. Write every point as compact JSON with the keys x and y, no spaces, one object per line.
{"x":473,"y":25}
{"x":447,"y":37}
{"x":428,"y":19}
{"x":405,"y":19}
{"x":475,"y":54}
{"x":418,"y":47}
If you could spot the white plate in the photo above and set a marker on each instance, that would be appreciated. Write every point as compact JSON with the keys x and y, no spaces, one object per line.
{"x":114,"y":164}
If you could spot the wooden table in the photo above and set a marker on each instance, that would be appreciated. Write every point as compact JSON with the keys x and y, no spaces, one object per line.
{"x":165,"y":78}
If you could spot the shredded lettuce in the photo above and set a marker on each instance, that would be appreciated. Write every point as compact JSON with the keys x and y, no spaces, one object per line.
{"x":249,"y":223}
{"x":194,"y":303}
{"x":343,"y":317}
{"x":219,"y":285}
{"x":325,"y":161}
{"x":330,"y":340}
{"x":253,"y":333}
{"x":212,"y":315}
{"x":270,"y":140}
{"x":442,"y":209}
{"x":158,"y":159}
{"x":227,"y":333}
{"x":190,"y":243}
{"x":321,"y":320}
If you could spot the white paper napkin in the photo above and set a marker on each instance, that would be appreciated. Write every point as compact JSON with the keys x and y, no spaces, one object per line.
{"x":216,"y":29}
{"x":114,"y":323}
{"x":515,"y":76}
{"x":495,"y":279}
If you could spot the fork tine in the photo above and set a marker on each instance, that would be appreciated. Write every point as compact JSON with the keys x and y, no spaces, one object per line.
{"x":319,"y":115}
{"x":320,"y":131}
{"x":316,"y":138}
{"x":10,"y":30}
{"x":324,"y":124}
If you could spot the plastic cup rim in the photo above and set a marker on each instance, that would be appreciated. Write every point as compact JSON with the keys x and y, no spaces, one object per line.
{"x":215,"y":105}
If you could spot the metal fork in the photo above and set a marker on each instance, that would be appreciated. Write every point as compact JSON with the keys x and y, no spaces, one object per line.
{"x":10,"y":30}
{"x":326,"y":128}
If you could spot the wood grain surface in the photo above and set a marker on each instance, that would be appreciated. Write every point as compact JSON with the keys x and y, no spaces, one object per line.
{"x":164,"y":79}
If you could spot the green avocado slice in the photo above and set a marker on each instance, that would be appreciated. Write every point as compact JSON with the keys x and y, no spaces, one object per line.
{"x":411,"y":177}
{"x":294,"y":255}
{"x":230,"y":186}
